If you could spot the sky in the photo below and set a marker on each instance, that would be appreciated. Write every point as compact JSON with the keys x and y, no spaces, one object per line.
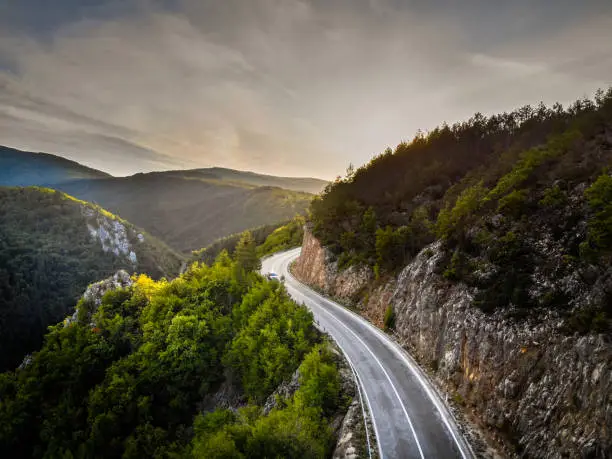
{"x":285,"y":87}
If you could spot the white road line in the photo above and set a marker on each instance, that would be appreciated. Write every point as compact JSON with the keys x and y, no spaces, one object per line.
{"x":358,"y":385}
{"x":393,"y":347}
{"x":388,"y":379}
{"x":365,"y":394}
{"x":444,"y":413}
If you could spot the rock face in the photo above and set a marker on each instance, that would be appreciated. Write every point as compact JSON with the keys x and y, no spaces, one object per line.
{"x":92,"y":298}
{"x":111,"y":233}
{"x":542,"y":393}
{"x":317,"y":267}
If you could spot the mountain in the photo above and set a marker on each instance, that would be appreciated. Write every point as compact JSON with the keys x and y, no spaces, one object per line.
{"x":51,"y":247}
{"x":186,"y":209}
{"x":189,"y":213}
{"x":23,"y":168}
{"x":486,"y":248}
{"x":305,"y":184}
{"x":521,"y":202}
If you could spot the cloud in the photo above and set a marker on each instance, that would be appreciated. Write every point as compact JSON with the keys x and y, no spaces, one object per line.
{"x":292,"y":87}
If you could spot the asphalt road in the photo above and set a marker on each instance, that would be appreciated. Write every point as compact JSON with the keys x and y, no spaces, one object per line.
{"x":410,"y":420}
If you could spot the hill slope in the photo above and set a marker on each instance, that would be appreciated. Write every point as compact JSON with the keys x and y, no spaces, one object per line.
{"x":522,"y":203}
{"x":23,"y":168}
{"x":487,"y":248}
{"x":51,"y":247}
{"x":189,"y":214}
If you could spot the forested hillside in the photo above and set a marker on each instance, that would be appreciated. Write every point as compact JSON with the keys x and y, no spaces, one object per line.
{"x":51,"y":247}
{"x":141,"y":368}
{"x":24,"y":168}
{"x":522,"y":202}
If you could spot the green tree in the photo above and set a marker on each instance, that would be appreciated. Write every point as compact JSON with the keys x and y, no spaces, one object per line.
{"x":246,"y":254}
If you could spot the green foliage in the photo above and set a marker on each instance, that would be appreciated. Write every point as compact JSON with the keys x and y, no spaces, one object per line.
{"x":47,"y":259}
{"x":453,"y":220}
{"x":389,"y":319}
{"x":531,"y":159}
{"x":599,"y":198}
{"x":209,"y":253}
{"x":283,"y":238}
{"x":588,"y":319}
{"x":127,"y":380}
{"x":513,"y":203}
{"x":246,"y":254}
{"x":509,"y":284}
{"x":553,"y":197}
{"x":271,"y":344}
{"x":319,"y":382}
{"x":299,"y":429}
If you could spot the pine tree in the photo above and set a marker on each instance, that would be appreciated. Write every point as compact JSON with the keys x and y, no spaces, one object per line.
{"x":246,"y":254}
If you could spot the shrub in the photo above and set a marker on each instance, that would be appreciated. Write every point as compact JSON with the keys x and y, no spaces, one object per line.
{"x":599,"y":197}
{"x":389,"y":319}
{"x":587,"y":319}
{"x":553,"y":197}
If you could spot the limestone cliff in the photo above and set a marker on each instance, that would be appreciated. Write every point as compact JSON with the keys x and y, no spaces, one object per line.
{"x":541,"y":393}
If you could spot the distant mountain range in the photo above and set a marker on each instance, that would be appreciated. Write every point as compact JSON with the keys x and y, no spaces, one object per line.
{"x":186,"y":209}
{"x":306,"y":184}
{"x":23,"y":168}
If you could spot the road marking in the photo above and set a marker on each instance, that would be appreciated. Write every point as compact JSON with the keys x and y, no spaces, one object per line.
{"x":379,"y":364}
{"x":443,"y":411}
{"x":394,"y":348}
{"x":386,"y":375}
{"x":358,"y":384}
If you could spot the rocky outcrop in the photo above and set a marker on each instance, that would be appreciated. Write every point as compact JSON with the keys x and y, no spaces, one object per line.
{"x":347,"y":445}
{"x":538,"y":391}
{"x":317,"y":267}
{"x":112,"y":234}
{"x":92,"y":298}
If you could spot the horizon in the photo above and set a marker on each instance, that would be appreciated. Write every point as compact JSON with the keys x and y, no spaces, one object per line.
{"x":302,"y":88}
{"x":82,"y":163}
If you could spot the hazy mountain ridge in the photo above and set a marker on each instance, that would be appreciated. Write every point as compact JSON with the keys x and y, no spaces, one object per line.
{"x":189,"y":214}
{"x":51,"y":247}
{"x":24,"y":168}
{"x":305,"y":184}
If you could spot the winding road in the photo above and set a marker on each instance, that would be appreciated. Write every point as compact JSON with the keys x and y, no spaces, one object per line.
{"x":409,"y":419}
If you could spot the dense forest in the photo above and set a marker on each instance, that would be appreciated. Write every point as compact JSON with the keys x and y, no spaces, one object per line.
{"x":522,"y":202}
{"x":139,"y":371}
{"x":48,"y":256}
